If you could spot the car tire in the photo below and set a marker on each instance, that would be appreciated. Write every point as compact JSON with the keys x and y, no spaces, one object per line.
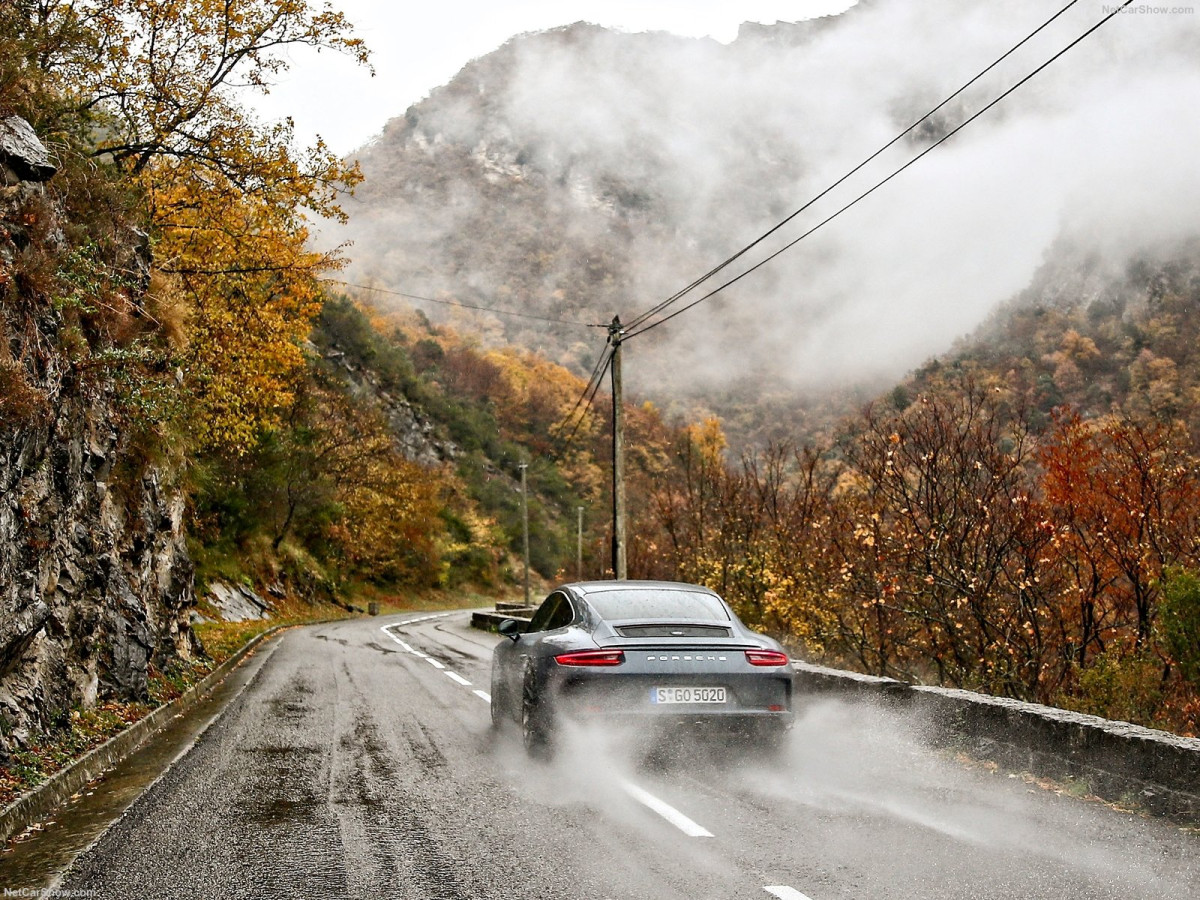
{"x":535,"y":719}
{"x":499,"y":713}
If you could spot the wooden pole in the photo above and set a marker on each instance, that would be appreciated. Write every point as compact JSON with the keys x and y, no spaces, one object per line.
{"x":616,"y":333}
{"x":579,"y":544}
{"x":525,"y":526}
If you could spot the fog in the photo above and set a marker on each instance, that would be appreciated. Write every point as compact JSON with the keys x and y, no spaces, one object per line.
{"x":1096,"y":152}
{"x":857,"y":784}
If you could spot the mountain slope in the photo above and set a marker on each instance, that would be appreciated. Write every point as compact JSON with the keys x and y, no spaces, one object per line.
{"x":580,"y":172}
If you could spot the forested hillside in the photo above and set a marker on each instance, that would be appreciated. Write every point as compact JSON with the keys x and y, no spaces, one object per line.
{"x":155,"y":290}
{"x":1018,"y":516}
{"x":178,"y":400}
{"x":186,"y":395}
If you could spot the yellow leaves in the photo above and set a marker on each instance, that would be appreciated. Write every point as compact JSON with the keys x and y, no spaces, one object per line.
{"x":1078,"y":348}
{"x":708,"y":441}
{"x":865,"y":535}
{"x":392,"y":515}
{"x":252,"y":287}
{"x":156,"y":85}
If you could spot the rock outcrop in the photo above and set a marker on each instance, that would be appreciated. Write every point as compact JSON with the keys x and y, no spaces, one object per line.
{"x":22,"y":155}
{"x":95,"y":577}
{"x":237,"y":602}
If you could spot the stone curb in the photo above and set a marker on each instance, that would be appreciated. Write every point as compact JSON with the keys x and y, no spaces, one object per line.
{"x":35,"y":805}
{"x":490,"y":621}
{"x":1116,"y":761}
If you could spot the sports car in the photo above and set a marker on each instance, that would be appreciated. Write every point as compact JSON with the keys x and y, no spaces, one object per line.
{"x":655,"y":653}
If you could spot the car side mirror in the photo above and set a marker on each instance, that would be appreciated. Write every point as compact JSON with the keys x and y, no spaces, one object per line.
{"x":511,"y":628}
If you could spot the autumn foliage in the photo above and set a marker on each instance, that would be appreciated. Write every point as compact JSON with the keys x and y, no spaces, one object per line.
{"x":945,"y":542}
{"x":186,"y":276}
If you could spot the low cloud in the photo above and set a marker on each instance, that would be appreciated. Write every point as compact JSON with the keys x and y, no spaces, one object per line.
{"x":713,"y":143}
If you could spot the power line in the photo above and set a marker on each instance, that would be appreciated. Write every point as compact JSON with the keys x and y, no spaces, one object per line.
{"x":711,"y":272}
{"x":491,"y":309}
{"x":593,"y":385}
{"x":885,"y":180}
{"x":593,"y":388}
{"x":593,"y":378}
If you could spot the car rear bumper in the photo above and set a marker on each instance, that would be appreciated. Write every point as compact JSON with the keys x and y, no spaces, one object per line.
{"x":768,"y":713}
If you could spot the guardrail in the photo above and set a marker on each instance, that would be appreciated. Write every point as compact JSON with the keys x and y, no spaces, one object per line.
{"x":1116,"y":761}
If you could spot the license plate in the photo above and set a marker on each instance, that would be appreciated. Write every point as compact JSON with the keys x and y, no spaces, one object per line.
{"x":687,"y":695}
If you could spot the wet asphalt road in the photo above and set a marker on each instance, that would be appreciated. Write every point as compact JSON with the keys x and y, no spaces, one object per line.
{"x":360,"y":763}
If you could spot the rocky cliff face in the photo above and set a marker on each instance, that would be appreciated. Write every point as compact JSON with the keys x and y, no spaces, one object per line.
{"x":95,"y":578}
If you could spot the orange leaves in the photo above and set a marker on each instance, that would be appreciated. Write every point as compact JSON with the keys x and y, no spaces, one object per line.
{"x":1125,"y":493}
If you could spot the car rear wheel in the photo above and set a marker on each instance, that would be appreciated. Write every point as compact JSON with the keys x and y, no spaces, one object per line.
{"x":535,"y":725}
{"x":499,"y":713}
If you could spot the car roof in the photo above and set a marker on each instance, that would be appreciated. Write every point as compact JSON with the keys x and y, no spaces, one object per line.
{"x":583,"y":588}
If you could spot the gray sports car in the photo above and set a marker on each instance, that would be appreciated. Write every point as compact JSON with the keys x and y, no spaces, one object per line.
{"x":656,"y":653}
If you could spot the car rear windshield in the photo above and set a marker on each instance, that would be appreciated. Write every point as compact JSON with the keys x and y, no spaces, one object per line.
{"x":644,"y":603}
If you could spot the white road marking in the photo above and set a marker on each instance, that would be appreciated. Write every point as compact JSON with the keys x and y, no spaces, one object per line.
{"x":408,"y":622}
{"x":386,"y":629}
{"x":783,"y":892}
{"x":668,"y":812}
{"x":437,"y":664}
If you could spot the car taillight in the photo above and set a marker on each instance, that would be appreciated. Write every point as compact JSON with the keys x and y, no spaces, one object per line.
{"x":766,"y":658}
{"x":591,"y":658}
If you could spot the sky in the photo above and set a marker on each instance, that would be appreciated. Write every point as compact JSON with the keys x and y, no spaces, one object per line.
{"x":419,"y":46}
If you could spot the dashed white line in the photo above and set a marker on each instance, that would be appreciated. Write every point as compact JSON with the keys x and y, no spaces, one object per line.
{"x":413,"y":650}
{"x":437,"y":664}
{"x":408,"y":622}
{"x":668,"y":812}
{"x":783,"y":892}
{"x":386,"y":629}
{"x":483,"y":695}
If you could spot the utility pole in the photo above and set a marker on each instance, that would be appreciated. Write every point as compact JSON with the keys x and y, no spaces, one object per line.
{"x":525,"y":526}
{"x":579,"y":544}
{"x":615,"y":334}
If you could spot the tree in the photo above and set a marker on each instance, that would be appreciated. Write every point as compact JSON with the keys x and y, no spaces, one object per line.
{"x":1125,"y":493}
{"x":154,"y":84}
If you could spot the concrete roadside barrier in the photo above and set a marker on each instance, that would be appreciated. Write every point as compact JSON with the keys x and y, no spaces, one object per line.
{"x":486,"y":620}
